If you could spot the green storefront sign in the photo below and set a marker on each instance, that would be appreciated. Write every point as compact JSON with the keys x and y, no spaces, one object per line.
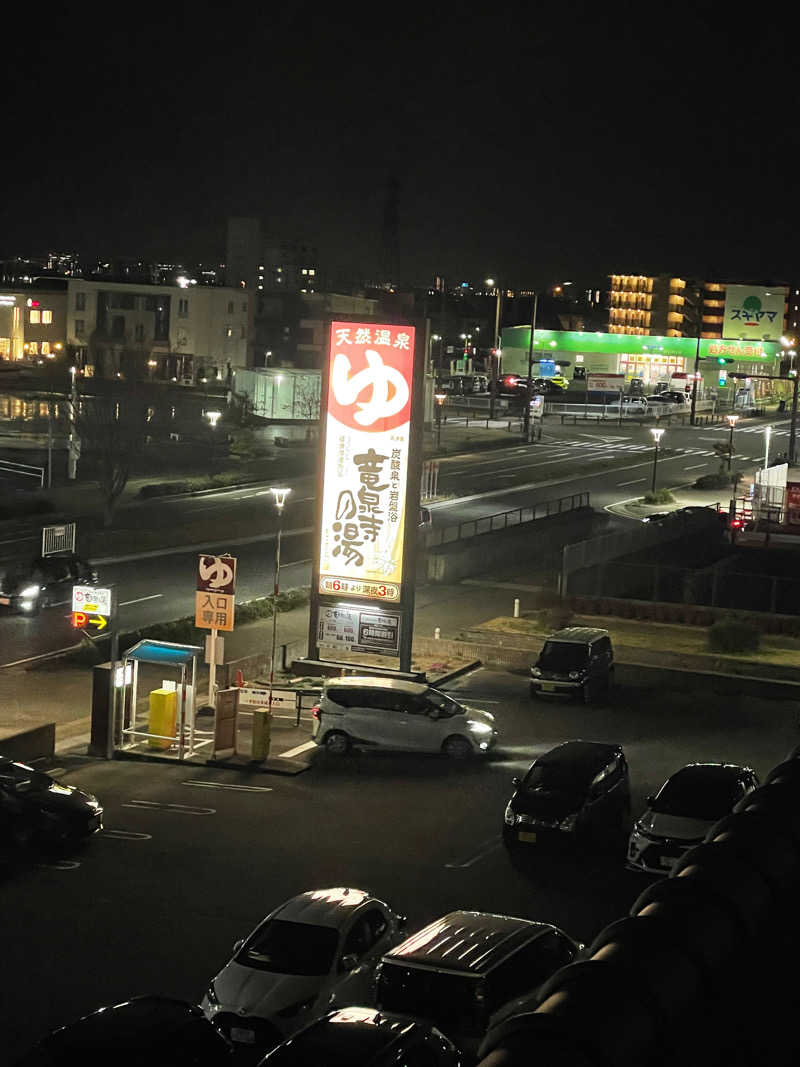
{"x":618,"y":344}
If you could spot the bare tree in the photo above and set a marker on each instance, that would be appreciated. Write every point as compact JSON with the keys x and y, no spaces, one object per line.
{"x":306,"y":401}
{"x":111,"y":428}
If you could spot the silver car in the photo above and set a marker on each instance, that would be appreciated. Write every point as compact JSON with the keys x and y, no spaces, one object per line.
{"x":395,"y":714}
{"x":317,"y":951}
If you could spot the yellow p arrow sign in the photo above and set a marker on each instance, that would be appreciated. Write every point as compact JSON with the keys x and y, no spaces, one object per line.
{"x":100,"y":621}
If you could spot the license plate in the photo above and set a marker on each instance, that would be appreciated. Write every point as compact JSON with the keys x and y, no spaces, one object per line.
{"x":548,"y":687}
{"x":4,"y":600}
{"x":527,"y":835}
{"x":243,"y":1037}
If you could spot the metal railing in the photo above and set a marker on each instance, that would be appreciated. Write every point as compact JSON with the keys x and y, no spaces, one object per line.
{"x":504,"y":520}
{"x":23,"y":470}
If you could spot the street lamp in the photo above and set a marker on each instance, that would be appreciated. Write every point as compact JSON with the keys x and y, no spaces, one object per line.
{"x":732,"y":420}
{"x":440,"y":399}
{"x":434,"y":337}
{"x":495,"y":355}
{"x":279,"y":496}
{"x":657,"y":435}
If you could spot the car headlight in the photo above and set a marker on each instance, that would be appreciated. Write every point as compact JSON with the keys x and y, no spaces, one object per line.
{"x":574,"y":676}
{"x":535,"y":672}
{"x":479,"y":727}
{"x":568,"y":824}
{"x":509,"y":816}
{"x":212,"y":997}
{"x":295,"y":1009}
{"x":30,"y":591}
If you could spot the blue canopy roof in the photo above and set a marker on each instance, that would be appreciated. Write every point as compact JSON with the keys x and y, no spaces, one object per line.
{"x":163,"y":652}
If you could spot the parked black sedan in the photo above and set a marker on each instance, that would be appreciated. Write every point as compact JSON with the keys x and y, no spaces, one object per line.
{"x":29,"y":587}
{"x":35,"y":808}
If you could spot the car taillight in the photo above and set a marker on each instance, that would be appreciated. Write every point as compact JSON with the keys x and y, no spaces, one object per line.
{"x":315,"y":712}
{"x":736,"y":524}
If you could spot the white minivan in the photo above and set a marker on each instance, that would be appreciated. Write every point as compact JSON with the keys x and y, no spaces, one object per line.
{"x":390,"y":713}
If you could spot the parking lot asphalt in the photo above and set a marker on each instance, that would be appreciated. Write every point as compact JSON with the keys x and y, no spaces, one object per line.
{"x":193,"y":857}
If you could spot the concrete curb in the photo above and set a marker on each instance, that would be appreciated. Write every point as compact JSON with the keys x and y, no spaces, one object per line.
{"x":457,"y":673}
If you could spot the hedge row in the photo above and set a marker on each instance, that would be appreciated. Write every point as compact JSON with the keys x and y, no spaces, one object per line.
{"x":34,"y":505}
{"x":190,"y":485}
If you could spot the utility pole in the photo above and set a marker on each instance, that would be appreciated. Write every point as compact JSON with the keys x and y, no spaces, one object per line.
{"x":529,"y":387}
{"x":793,"y":422}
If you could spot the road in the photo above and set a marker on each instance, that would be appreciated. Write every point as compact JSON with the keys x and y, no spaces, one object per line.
{"x":567,"y":460}
{"x":155,"y":904}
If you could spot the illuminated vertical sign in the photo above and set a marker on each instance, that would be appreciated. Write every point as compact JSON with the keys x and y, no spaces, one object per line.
{"x":753,"y":313}
{"x":367,"y":446}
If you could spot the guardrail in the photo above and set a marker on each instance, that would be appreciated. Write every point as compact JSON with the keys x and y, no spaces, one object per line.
{"x":23,"y":470}
{"x":503,"y":520}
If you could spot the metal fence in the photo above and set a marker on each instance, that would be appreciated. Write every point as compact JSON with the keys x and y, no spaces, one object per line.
{"x":504,"y":520}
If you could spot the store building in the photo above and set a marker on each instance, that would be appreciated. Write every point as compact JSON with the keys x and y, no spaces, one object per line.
{"x":657,"y":361}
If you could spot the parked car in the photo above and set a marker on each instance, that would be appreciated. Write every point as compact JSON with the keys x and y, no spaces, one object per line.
{"x":633,"y":405}
{"x":141,"y":1032}
{"x":47,"y":580}
{"x":578,"y":660}
{"x":686,"y":806}
{"x":365,"y":1037}
{"x":467,"y":968}
{"x":390,"y":713}
{"x":658,"y":518}
{"x":318,"y":949}
{"x":675,"y":396}
{"x":36,"y":809}
{"x":578,"y":790}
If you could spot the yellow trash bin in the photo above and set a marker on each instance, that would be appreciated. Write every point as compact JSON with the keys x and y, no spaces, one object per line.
{"x":163,"y":716}
{"x":261,"y":726}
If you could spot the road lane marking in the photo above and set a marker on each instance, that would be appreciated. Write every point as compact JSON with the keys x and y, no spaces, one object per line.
{"x":126,"y":835}
{"x":141,"y":599}
{"x":490,"y":846}
{"x":298,"y":750}
{"x":227,"y":785}
{"x":178,"y":809}
{"x":696,"y":465}
{"x":43,"y":655}
{"x":621,"y":485}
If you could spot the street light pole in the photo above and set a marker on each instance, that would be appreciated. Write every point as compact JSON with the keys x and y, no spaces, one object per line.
{"x":793,"y":422}
{"x":440,"y":399}
{"x":732,"y":420}
{"x":657,"y":434}
{"x":529,"y":387}
{"x":279,"y":495}
{"x":495,"y":357}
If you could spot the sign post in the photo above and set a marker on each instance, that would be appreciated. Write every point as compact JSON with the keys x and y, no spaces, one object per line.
{"x":369,"y":487}
{"x":214,"y":605}
{"x":95,"y":607}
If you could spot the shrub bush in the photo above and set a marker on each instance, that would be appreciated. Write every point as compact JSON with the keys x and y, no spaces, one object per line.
{"x":734,"y":635}
{"x":658,"y":496}
{"x":164,"y":489}
{"x":716,"y":481}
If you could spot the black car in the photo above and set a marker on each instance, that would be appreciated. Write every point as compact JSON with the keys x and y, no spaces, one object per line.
{"x":36,"y":808}
{"x":142,"y":1032}
{"x":577,"y":790}
{"x":575,"y":661}
{"x":365,"y":1037}
{"x":47,"y":580}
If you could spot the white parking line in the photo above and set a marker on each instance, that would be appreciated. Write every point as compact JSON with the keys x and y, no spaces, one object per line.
{"x":126,"y":835}
{"x":141,"y":599}
{"x":61,"y":865}
{"x":621,"y":485}
{"x":298,"y":750}
{"x":179,"y":809}
{"x":227,"y":785}
{"x":490,"y":846}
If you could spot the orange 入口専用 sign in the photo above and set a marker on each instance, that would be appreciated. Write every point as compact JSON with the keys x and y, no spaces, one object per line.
{"x":367,"y":443}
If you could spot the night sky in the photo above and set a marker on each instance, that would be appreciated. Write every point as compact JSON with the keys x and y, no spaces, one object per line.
{"x":530,"y":146}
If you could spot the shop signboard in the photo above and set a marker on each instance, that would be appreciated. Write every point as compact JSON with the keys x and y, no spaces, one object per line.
{"x":353,"y":628}
{"x":605,"y":383}
{"x":793,"y":503}
{"x":753,"y":313}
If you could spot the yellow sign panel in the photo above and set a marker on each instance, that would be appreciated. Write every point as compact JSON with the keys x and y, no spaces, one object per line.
{"x":213,"y":611}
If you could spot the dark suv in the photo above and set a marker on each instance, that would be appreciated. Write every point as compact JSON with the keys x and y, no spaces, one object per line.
{"x":46,"y":581}
{"x":579,"y":789}
{"x":577,"y":660}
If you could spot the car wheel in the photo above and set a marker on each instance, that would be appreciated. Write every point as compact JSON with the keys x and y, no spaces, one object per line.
{"x":337,"y":743}
{"x":457,"y":747}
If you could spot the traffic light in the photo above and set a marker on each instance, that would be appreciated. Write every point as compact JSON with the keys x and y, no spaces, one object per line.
{"x":722,"y":360}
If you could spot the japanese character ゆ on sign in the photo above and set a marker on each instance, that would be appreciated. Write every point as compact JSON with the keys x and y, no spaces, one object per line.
{"x":366,"y":459}
{"x":216,"y":574}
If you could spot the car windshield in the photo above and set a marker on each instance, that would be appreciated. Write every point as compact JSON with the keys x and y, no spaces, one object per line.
{"x":555,"y":777}
{"x":698,"y":793}
{"x":444,"y":702}
{"x":290,"y":948}
{"x":563,"y":656}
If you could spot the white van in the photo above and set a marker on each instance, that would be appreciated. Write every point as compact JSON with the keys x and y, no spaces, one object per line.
{"x":390,"y":713}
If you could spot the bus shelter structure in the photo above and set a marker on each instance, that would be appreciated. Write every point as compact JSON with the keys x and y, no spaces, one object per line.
{"x":167,"y":726}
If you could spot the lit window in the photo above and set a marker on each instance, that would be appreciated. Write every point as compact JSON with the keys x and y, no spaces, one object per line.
{"x":311,"y":271}
{"x":33,"y":348}
{"x":45,"y":348}
{"x":229,"y":331}
{"x":47,"y":317}
{"x":35,"y":316}
{"x":304,"y":270}
{"x":261,"y":287}
{"x":279,"y":270}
